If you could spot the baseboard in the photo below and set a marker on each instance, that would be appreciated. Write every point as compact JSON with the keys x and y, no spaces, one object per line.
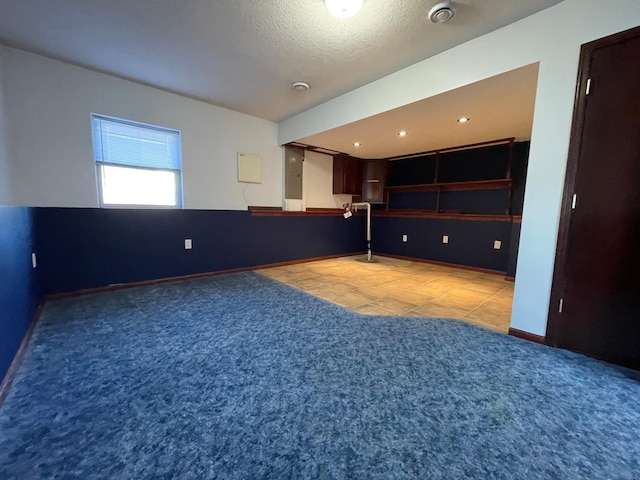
{"x":10,"y":376}
{"x":444,"y":264}
{"x":532,"y":337}
{"x":510,"y":279}
{"x":144,"y":283}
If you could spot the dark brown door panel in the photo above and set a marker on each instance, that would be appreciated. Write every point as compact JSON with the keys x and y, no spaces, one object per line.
{"x":597,"y":279}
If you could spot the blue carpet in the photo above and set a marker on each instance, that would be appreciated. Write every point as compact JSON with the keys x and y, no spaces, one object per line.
{"x":240,"y":377}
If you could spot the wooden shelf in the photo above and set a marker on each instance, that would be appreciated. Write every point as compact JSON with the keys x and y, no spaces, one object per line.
{"x":409,"y":213}
{"x":454,"y":186}
{"x":257,"y":211}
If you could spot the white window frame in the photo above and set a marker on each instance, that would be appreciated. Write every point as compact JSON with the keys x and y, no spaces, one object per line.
{"x":179,"y":201}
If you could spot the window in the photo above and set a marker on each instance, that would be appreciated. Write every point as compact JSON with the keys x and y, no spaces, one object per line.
{"x":137,"y":165}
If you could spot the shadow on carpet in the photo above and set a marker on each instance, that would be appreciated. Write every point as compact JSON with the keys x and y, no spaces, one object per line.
{"x":241,"y":377}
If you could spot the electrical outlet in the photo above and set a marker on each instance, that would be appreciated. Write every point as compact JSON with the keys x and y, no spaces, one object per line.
{"x":34,"y":261}
{"x":497,"y":244}
{"x":445,"y":239}
{"x":405,"y":239}
{"x":187,"y":244}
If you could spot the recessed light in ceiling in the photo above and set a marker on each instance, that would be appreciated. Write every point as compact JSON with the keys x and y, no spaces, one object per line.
{"x":343,"y":8}
{"x":300,"y":86}
{"x":441,"y":12}
{"x":356,"y":144}
{"x":403,"y":133}
{"x":463,"y":119}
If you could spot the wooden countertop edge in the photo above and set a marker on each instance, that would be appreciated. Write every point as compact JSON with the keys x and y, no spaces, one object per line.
{"x":258,"y":211}
{"x":278,"y":212}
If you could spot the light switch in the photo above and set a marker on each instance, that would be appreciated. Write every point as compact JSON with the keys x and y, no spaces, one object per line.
{"x":497,"y":244}
{"x":187,"y":244}
{"x":405,"y":239}
{"x":445,"y":239}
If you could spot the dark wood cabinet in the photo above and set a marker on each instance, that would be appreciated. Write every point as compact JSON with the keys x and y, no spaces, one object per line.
{"x":374,"y":181}
{"x":347,"y":175}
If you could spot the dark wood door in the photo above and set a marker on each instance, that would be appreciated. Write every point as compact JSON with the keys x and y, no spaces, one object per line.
{"x":597,"y":284}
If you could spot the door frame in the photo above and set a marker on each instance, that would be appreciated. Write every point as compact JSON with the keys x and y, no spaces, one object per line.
{"x":577,"y":128}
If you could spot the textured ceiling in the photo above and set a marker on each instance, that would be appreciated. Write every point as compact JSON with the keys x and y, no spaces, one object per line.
{"x":244,"y":54}
{"x":499,"y":107}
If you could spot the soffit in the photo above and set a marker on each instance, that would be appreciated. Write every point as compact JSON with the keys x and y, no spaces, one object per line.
{"x":498,"y":107}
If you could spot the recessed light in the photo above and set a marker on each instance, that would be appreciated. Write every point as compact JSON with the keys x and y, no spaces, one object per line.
{"x":300,"y":86}
{"x":356,"y":144}
{"x":463,"y":119}
{"x":403,"y":133}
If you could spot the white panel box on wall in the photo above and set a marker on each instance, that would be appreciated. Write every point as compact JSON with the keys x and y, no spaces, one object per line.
{"x":249,"y":168}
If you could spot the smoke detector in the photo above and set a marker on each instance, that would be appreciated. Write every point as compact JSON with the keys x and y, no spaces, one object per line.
{"x":442,"y":12}
{"x":300,"y":86}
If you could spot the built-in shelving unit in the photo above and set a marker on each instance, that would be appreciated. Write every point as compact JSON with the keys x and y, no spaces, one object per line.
{"x":476,"y":167}
{"x":474,"y":181}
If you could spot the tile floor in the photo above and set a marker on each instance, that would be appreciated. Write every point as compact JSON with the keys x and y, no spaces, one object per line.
{"x":404,"y":288}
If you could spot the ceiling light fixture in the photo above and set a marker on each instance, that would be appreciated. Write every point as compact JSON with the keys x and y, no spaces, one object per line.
{"x":403,"y":133}
{"x":300,"y":86}
{"x":463,"y":119}
{"x":356,"y":144}
{"x":343,"y":8}
{"x":441,"y":12}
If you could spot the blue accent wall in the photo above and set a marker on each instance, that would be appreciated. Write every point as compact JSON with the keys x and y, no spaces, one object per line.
{"x":19,"y":293}
{"x":488,"y":202}
{"x":470,"y":242}
{"x":82,"y":248}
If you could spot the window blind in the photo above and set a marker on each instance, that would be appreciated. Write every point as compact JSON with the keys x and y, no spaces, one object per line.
{"x":122,"y":143}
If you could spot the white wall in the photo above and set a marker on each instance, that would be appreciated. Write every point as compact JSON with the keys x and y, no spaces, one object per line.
{"x":317,"y":182}
{"x":6,"y":197}
{"x":553,"y":37}
{"x":48,"y":106}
